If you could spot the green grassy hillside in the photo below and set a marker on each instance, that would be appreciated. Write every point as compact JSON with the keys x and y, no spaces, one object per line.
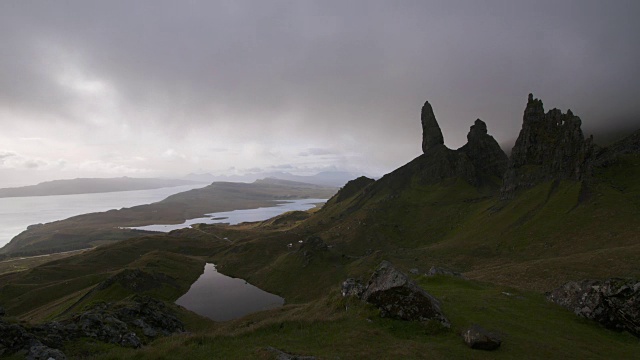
{"x":511,"y":252}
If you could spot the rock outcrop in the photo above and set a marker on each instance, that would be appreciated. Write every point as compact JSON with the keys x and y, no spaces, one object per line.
{"x":15,"y":339}
{"x":479,"y":159}
{"x":128,"y":325}
{"x":431,"y":133}
{"x":614,"y":303}
{"x":484,"y":152}
{"x":397,"y":296}
{"x":550,"y":146}
{"x":476,"y":337}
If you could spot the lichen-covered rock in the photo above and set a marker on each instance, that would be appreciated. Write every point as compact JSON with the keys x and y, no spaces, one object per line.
{"x":550,"y":146}
{"x":16,"y":339}
{"x":111,"y":323}
{"x":476,"y":337}
{"x":42,"y":352}
{"x":614,"y":303}
{"x":399,"y":297}
{"x":352,"y":287}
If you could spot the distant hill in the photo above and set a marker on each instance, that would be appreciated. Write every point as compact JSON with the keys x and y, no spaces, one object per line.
{"x":92,"y":185}
{"x":324,"y":178}
{"x":89,"y":230}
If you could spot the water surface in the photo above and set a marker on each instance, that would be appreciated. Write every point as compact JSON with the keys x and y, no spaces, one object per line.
{"x":237,"y":216}
{"x":19,"y":212}
{"x":220,"y":297}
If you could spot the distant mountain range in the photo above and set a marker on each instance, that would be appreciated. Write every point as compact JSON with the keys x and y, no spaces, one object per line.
{"x":325,"y":178}
{"x":92,"y":185}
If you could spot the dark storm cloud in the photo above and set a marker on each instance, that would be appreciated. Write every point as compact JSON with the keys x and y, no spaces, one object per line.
{"x":322,"y":68}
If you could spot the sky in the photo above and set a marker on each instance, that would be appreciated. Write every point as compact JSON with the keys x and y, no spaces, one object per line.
{"x":167,"y":88}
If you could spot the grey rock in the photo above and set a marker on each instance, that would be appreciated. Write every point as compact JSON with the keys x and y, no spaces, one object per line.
{"x":431,"y":133}
{"x":550,"y":146}
{"x":399,"y":297}
{"x":614,"y":303}
{"x":146,"y":329}
{"x":442,"y":271}
{"x":14,"y":337}
{"x":43,"y":352}
{"x":414,"y":271}
{"x":352,"y":287}
{"x":477,"y":337}
{"x":281,"y":355}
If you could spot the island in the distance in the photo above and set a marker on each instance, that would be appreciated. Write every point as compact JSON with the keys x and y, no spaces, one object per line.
{"x":92,"y":186}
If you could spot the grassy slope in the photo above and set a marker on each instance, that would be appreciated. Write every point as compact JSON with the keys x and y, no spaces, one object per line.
{"x":549,"y":234}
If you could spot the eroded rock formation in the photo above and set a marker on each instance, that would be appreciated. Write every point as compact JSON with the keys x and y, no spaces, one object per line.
{"x":484,"y":152}
{"x":481,"y":158}
{"x":550,"y":146}
{"x":431,"y":133}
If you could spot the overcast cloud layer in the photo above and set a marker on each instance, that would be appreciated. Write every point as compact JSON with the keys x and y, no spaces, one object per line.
{"x":164,"y":88}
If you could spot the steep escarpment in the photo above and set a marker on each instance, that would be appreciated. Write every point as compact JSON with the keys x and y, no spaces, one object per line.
{"x":550,"y":146}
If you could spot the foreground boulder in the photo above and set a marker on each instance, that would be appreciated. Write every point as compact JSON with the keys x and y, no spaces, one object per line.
{"x":397,"y":296}
{"x":614,"y":303}
{"x":127,"y":325}
{"x":16,"y":339}
{"x":476,"y":337}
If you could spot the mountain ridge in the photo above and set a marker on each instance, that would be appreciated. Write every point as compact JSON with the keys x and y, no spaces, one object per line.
{"x":91,"y":186}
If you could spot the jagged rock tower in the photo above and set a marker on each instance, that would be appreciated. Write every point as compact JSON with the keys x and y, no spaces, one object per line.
{"x":550,"y":146}
{"x":476,"y":162}
{"x":431,"y":133}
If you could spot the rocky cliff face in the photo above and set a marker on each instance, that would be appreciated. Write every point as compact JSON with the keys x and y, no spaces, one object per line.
{"x":550,"y":146}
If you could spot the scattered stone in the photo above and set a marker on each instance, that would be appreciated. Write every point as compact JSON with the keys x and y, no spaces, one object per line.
{"x":281,"y":355}
{"x":614,"y":303}
{"x":43,"y":352}
{"x":477,"y":337}
{"x":414,"y":271}
{"x":442,"y":271}
{"x":352,"y":287}
{"x":309,"y":248}
{"x":399,"y":297}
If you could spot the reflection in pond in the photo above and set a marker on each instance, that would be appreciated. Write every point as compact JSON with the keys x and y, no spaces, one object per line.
{"x":220,"y":297}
